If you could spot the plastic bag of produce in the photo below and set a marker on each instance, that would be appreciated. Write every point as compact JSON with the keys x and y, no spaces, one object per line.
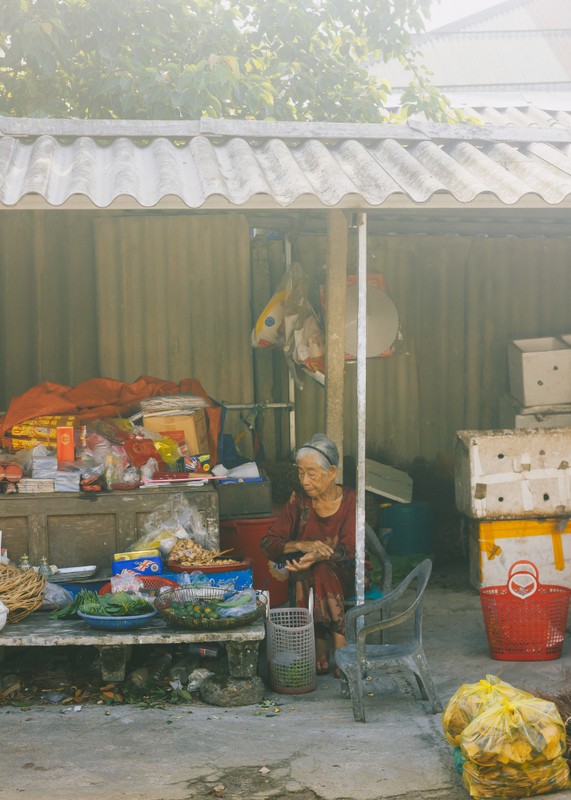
{"x":509,"y":780}
{"x":471,"y":699}
{"x":173,"y":520}
{"x":244,"y":602}
{"x":515,"y":732}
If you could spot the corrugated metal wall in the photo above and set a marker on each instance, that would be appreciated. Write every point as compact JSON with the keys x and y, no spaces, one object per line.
{"x":48,"y":325}
{"x":85,"y":294}
{"x":460,"y":301}
{"x":173,"y":300}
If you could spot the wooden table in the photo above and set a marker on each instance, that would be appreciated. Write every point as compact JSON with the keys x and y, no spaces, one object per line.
{"x":37,"y":630}
{"x":77,"y":528}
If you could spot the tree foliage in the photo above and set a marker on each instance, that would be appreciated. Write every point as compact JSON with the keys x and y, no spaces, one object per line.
{"x":184,"y":59}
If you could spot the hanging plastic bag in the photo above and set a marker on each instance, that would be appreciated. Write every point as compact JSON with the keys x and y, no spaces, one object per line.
{"x":507,"y":780}
{"x":471,"y":699}
{"x":289,"y":321}
{"x":516,"y":731}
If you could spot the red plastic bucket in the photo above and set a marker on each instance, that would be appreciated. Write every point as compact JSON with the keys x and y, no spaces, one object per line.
{"x":244,"y":537}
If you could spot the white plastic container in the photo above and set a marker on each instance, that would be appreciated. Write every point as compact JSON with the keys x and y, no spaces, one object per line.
{"x":540,"y":371}
{"x":514,"y":415}
{"x":513,"y":474}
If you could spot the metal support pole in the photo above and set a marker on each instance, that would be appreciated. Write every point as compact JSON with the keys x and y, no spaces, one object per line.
{"x":336,"y":289}
{"x":361,"y":408}
{"x":291,"y":384}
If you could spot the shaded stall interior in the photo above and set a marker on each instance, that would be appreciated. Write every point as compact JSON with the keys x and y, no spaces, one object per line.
{"x":173,"y":292}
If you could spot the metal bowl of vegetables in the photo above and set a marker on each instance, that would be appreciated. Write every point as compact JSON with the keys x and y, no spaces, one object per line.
{"x":209,"y":608}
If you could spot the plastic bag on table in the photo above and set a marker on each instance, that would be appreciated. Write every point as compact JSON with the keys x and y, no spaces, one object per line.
{"x":470,"y":699}
{"x":177,"y":518}
{"x":126,"y":582}
{"x":515,"y":732}
{"x":508,"y":780}
{"x":4,"y":611}
{"x":115,"y":429}
{"x":149,"y":469}
{"x":167,"y":449}
{"x":243,"y":602}
{"x":55,"y":597}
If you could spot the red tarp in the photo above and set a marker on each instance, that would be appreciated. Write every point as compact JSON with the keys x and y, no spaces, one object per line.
{"x":105,"y":397}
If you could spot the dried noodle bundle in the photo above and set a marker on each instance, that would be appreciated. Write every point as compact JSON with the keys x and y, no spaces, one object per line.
{"x":21,"y":592}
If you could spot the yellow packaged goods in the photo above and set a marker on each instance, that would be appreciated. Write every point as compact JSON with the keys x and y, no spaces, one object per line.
{"x":38,"y":430}
{"x":192,"y":426}
{"x":471,"y":699}
{"x":515,"y":732}
{"x":135,"y":554}
{"x":508,"y":780}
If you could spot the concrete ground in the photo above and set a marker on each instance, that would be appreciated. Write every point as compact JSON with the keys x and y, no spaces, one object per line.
{"x":311,"y":749}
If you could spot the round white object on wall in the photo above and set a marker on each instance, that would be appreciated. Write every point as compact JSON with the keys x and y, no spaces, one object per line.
{"x":382,"y":321}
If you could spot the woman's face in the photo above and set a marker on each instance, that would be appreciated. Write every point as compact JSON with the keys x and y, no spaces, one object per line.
{"x":313,"y":478}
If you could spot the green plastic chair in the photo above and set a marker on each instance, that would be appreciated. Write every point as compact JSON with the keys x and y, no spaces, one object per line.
{"x":358,"y":658}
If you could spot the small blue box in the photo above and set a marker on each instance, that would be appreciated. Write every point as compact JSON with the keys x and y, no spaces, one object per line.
{"x":143,"y":565}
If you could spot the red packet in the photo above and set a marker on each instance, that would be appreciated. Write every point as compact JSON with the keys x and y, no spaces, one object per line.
{"x":65,"y":444}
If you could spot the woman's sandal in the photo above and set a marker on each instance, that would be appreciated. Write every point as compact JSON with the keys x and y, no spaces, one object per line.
{"x":322,"y":667}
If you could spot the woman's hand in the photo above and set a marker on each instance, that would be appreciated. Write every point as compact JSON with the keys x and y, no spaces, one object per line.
{"x":305,"y":562}
{"x":319,"y":548}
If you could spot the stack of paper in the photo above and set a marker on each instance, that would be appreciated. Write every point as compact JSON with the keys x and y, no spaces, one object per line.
{"x":44,"y":467}
{"x":172,"y":404}
{"x":67,"y":481}
{"x":33,"y":486}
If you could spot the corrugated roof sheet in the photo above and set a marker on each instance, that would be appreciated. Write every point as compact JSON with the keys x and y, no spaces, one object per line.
{"x":233,"y":164}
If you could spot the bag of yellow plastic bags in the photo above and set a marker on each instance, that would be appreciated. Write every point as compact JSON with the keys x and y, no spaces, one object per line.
{"x":508,"y":780}
{"x":515,"y":732}
{"x":471,"y":699}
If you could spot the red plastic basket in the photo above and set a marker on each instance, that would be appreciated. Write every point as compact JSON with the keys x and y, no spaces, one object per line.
{"x":151,"y":584}
{"x":525,"y":620}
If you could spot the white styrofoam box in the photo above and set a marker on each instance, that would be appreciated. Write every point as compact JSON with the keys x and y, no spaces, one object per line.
{"x":514,"y":415}
{"x":495,"y":546}
{"x":540,"y":371}
{"x":513,"y":474}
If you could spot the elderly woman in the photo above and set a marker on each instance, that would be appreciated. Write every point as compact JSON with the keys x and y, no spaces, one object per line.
{"x":315,"y":535}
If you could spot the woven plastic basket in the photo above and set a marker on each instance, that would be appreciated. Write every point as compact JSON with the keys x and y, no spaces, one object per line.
{"x":291,"y":649}
{"x":164,"y":605}
{"x":525,"y":620}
